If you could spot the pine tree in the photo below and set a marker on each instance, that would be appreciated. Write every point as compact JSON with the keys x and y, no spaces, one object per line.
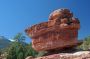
{"x":19,"y":49}
{"x":31,"y":51}
{"x":16,"y":50}
{"x":20,"y":56}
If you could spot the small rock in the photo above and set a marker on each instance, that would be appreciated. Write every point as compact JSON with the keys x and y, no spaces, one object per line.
{"x":29,"y":57}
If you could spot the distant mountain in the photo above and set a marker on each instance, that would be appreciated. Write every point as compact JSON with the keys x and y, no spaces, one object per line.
{"x":4,"y":42}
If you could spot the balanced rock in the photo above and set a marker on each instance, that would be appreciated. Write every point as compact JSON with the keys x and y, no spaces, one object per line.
{"x":60,"y":31}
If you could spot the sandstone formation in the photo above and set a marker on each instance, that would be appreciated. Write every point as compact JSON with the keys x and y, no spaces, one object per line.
{"x":60,"y":31}
{"x":75,"y":55}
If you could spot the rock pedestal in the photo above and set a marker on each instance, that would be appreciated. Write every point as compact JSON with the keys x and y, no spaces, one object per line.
{"x":60,"y":31}
{"x":75,"y":55}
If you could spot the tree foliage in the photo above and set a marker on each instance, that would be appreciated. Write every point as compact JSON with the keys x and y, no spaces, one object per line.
{"x":30,"y":51}
{"x":86,"y":44}
{"x":19,"y":37}
{"x":19,"y":49}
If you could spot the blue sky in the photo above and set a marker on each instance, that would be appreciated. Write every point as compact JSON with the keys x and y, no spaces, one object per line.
{"x":17,"y":15}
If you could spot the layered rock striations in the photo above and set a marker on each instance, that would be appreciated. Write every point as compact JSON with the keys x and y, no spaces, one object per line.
{"x":60,"y":31}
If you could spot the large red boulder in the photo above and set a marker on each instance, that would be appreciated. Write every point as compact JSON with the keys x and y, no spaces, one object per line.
{"x":59,"y":32}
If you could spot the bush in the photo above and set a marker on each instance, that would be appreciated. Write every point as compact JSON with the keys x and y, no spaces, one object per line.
{"x":86,"y":44}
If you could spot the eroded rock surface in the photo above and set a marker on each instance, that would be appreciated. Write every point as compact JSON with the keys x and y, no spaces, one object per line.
{"x":75,"y":55}
{"x":60,"y":31}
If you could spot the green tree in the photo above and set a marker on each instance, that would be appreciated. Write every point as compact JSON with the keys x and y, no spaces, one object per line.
{"x":17,"y":48}
{"x":19,"y":37}
{"x":86,"y":44}
{"x":11,"y":53}
{"x":30,"y":51}
{"x":20,"y":56}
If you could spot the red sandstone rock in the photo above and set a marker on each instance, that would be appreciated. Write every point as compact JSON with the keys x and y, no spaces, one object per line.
{"x":59,"y":32}
{"x":55,"y":39}
{"x":60,"y":13}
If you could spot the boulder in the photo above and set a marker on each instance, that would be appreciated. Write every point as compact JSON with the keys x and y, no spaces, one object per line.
{"x":59,"y":32}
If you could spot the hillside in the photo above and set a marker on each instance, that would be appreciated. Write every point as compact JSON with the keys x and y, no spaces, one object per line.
{"x":4,"y":42}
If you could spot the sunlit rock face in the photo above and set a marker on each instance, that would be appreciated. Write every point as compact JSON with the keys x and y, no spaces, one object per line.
{"x":75,"y":55}
{"x":59,"y":32}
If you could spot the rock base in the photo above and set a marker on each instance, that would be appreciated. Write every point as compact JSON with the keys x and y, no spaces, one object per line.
{"x":75,"y":55}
